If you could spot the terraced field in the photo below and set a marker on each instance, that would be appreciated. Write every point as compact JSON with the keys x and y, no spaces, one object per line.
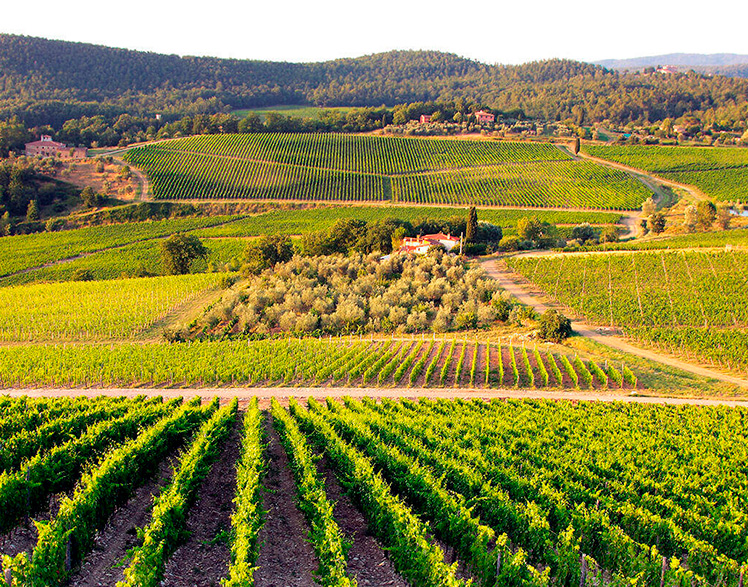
{"x":367,"y":168}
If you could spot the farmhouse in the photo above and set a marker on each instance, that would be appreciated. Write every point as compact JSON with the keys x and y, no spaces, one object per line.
{"x":46,"y":147}
{"x":425,"y":118}
{"x":482,"y":116}
{"x":421,"y":244}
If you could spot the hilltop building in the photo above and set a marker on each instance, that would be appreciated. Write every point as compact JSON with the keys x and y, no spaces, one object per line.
{"x":420,"y":245}
{"x":46,"y":147}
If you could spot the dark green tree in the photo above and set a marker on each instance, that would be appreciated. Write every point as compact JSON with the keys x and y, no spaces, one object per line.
{"x":577,"y":145}
{"x":471,"y":229}
{"x":265,"y":252}
{"x":656,"y":223}
{"x":179,"y":251}
{"x":554,"y":326}
{"x":706,"y":214}
{"x":32,"y":212}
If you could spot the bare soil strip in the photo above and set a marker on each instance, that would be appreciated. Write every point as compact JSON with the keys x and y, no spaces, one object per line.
{"x":286,"y":558}
{"x":367,"y":561}
{"x":204,"y":559}
{"x":264,"y":394}
{"x":102,"y":565}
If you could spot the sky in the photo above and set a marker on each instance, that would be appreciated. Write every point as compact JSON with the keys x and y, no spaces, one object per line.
{"x":309,"y":30}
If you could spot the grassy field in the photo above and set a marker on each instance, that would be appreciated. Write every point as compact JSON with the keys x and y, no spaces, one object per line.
{"x":21,"y":252}
{"x":725,"y":238}
{"x":719,"y":172}
{"x":295,"y":111}
{"x":365,"y":168}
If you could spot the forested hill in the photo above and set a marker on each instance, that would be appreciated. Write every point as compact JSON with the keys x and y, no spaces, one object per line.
{"x":48,"y":82}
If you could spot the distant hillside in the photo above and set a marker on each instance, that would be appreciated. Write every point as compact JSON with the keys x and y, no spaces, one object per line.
{"x":729,"y":64}
{"x":49,"y":82}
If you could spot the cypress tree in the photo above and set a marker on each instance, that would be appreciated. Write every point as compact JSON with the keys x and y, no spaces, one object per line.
{"x":471,"y":230}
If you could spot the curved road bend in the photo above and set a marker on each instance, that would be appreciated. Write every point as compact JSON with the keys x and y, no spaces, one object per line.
{"x":523,"y":293}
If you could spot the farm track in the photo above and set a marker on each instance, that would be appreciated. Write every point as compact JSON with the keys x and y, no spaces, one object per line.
{"x":120,"y":534}
{"x":648,"y":179}
{"x":265,"y":394}
{"x":367,"y":561}
{"x":527,"y":294}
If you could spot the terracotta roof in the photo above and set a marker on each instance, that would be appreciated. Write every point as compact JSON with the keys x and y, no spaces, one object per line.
{"x":46,"y":144}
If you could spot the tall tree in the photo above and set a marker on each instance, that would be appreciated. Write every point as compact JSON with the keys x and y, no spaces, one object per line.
{"x":471,"y":230}
{"x":179,"y":251}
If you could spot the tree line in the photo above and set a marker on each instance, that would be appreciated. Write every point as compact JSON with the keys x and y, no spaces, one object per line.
{"x":49,"y":82}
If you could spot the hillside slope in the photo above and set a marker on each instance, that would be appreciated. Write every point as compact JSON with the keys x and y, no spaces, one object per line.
{"x":49,"y":82}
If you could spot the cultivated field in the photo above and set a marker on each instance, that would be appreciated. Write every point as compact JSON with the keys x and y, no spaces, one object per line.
{"x":365,"y":168}
{"x":400,"y":362}
{"x":94,"y":310}
{"x":720,"y":173}
{"x":390,"y":502}
{"x":683,"y":300}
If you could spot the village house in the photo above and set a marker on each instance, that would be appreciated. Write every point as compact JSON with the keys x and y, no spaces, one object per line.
{"x":46,"y":147}
{"x":425,"y":118}
{"x":482,"y":117}
{"x":420,"y":245}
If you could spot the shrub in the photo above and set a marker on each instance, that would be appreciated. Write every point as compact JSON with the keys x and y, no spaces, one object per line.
{"x":554,"y":326}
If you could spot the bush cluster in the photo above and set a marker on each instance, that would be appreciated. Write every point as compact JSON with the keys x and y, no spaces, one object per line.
{"x":343,"y":295}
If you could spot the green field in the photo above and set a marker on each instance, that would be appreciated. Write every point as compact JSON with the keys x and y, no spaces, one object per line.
{"x":719,"y":172}
{"x":94,"y":310}
{"x":662,"y":502}
{"x":314,"y":219}
{"x":724,"y":238}
{"x":686,"y":300}
{"x":364,"y":168}
{"x":135,"y":260}
{"x":294,"y":111}
{"x":18,"y":253}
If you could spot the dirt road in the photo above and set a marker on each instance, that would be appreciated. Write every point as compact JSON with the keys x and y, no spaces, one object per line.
{"x":523,"y":291}
{"x":266,"y":393}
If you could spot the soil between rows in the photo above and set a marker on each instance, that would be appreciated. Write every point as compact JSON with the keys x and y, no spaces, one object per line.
{"x":285,"y":559}
{"x":204,"y":559}
{"x":106,"y":563}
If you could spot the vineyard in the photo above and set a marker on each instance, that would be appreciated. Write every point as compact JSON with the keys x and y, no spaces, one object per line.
{"x":721,"y":173}
{"x":311,"y":362}
{"x":232,"y":498}
{"x":365,"y":168}
{"x":721,"y":239}
{"x":21,"y":252}
{"x":94,"y":310}
{"x":139,"y":259}
{"x":695,"y":300}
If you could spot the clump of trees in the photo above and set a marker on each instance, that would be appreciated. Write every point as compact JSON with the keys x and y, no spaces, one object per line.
{"x":532,"y":233}
{"x":361,"y":293}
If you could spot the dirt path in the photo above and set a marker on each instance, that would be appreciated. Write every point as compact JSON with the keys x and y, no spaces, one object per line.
{"x":286,"y":558}
{"x":226,"y":394}
{"x":203,"y":560}
{"x":523,"y":291}
{"x":651,"y":181}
